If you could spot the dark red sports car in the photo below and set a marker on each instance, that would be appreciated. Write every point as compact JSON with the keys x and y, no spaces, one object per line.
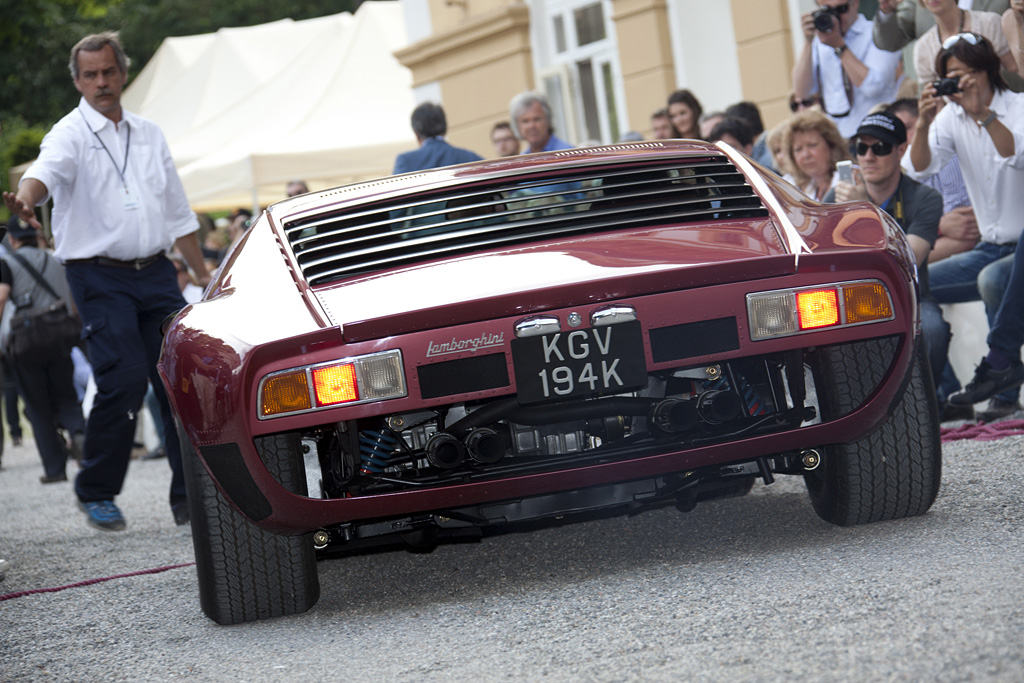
{"x":429,"y":354}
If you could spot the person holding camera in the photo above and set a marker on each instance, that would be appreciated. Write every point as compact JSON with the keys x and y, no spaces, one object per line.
{"x":983,"y":124}
{"x":840,"y":61}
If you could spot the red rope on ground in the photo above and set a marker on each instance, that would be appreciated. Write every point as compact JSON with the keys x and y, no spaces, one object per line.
{"x":89,"y":582}
{"x":982,"y":431}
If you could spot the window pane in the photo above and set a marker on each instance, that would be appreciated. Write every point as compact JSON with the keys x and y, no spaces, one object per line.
{"x":609,"y":97}
{"x":589,"y":24}
{"x":559,"y":34}
{"x":588,"y":95}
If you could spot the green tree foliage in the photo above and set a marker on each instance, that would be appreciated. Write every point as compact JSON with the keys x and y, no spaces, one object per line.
{"x":20,"y":143}
{"x":36,"y":37}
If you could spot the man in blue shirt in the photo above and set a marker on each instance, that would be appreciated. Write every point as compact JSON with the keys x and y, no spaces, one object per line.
{"x":430,"y":125}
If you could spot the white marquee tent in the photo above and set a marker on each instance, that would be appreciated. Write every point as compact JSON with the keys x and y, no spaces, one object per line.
{"x":247,"y":109}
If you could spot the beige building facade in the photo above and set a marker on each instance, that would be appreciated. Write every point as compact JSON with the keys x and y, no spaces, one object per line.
{"x":605,"y":65}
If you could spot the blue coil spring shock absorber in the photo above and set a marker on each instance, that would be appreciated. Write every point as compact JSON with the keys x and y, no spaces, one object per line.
{"x":375,"y":449}
{"x":751,"y":399}
{"x":752,"y":402}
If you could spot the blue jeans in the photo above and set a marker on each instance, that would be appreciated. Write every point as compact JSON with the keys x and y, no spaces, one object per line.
{"x":122,"y":310}
{"x":1006,"y":333}
{"x":981,"y":273}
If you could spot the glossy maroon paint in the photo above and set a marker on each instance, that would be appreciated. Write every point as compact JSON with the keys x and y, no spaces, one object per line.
{"x":260,"y":317}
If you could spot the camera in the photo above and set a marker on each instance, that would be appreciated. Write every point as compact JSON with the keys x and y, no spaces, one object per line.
{"x":824,"y":18}
{"x":946,"y":86}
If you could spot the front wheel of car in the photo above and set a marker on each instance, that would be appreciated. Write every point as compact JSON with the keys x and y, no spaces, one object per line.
{"x":247,"y":573}
{"x":893,"y":472}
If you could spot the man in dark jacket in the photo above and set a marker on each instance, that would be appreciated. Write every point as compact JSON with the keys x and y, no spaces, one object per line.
{"x":430,"y":125}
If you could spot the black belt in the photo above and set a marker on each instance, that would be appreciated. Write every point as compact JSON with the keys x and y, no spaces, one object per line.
{"x":135,"y":264}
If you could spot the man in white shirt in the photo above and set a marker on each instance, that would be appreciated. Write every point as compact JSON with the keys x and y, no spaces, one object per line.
{"x":983,"y":124}
{"x":118,"y":208}
{"x":844,"y":65}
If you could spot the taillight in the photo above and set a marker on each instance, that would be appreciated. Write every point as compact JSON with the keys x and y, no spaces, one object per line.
{"x":374,"y":377}
{"x":785,"y":312}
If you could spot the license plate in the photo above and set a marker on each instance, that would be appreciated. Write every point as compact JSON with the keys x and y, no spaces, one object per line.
{"x":608,"y":359}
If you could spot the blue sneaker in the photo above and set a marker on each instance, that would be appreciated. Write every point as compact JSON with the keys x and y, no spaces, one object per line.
{"x":103,"y":514}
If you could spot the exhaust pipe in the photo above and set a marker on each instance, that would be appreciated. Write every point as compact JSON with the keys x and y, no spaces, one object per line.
{"x":716,"y":407}
{"x":673,"y":415}
{"x":485,"y":446}
{"x":445,"y":451}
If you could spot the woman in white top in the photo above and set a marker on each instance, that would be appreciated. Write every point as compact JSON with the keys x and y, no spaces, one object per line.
{"x":812,"y":146}
{"x":951,"y":20}
{"x":1013,"y":28}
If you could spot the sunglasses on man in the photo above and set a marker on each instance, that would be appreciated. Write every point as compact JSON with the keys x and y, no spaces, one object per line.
{"x":881,"y":149}
{"x":795,"y":105}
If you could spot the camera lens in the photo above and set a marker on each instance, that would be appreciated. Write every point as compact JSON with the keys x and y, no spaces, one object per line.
{"x":822,"y":19}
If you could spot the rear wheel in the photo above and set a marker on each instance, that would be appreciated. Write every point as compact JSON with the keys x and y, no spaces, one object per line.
{"x":247,"y":573}
{"x":895,"y":471}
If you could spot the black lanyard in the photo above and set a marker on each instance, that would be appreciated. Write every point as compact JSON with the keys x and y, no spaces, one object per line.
{"x":847,"y":87}
{"x":897,"y":211}
{"x":127,"y":146}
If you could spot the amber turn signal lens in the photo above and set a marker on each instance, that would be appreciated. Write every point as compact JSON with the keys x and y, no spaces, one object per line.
{"x":335,"y":384}
{"x":817,"y":308}
{"x":285,"y":394}
{"x":865,"y":302}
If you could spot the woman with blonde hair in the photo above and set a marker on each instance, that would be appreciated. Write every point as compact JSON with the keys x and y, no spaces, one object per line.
{"x":812,"y":146}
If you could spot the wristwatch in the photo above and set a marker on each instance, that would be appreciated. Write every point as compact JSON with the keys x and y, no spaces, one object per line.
{"x":840,"y":50}
{"x":988,"y":119}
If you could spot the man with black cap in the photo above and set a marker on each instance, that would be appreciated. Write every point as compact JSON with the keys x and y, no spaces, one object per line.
{"x":44,"y":373}
{"x":879,"y":144}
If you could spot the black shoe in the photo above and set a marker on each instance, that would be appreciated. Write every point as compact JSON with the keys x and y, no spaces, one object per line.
{"x":77,"y":449}
{"x":53,"y":478}
{"x":951,"y":413}
{"x":988,"y":382}
{"x":180,"y":512}
{"x":998,"y":409}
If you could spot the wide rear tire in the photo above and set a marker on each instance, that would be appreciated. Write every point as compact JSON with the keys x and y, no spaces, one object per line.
{"x":246,"y":573}
{"x":894,"y":472}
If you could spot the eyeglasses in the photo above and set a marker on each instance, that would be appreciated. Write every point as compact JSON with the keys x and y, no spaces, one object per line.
{"x":969,"y":38}
{"x":794,"y":105}
{"x":881,"y":149}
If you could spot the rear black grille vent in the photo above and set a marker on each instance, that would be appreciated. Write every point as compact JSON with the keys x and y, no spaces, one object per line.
{"x":463,"y":375}
{"x":507,"y":211}
{"x":689,"y":340}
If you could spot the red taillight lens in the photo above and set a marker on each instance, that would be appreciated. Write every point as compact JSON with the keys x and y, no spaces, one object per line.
{"x":817,"y":308}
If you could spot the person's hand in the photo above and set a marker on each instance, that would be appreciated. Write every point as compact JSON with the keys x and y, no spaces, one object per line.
{"x":807,"y":25}
{"x":852,"y":192}
{"x":19,"y":208}
{"x":969,"y":97}
{"x":960,"y":224}
{"x":889,"y":6}
{"x":928,"y":105}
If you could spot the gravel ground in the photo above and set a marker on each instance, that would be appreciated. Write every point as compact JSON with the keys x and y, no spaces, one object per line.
{"x":748,"y":589}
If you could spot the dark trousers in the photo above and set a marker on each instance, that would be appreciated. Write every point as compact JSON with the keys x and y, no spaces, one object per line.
{"x":122,"y":310}
{"x":46,"y":384}
{"x":10,"y":391}
{"x":1007,"y":331}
